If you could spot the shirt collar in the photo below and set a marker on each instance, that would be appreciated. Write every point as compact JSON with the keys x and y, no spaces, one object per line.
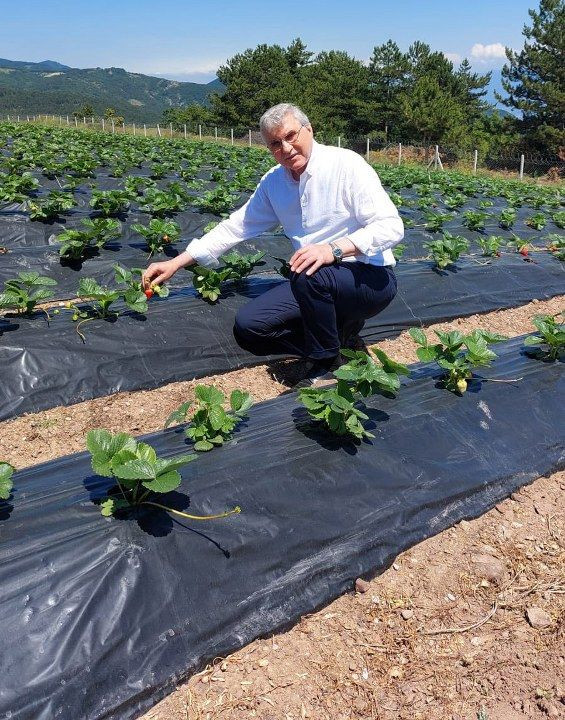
{"x":313,"y":159}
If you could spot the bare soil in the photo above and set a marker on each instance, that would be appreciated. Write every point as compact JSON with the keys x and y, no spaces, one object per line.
{"x":446,"y":633}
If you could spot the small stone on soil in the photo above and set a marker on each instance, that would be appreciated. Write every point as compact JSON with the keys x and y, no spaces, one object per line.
{"x":361,"y":586}
{"x":537,"y":617}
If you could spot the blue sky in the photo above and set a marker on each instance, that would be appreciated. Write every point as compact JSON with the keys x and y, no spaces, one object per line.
{"x":189,"y":40}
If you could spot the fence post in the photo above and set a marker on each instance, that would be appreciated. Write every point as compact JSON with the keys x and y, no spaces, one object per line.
{"x":171,"y":129}
{"x":134,"y":128}
{"x":339,"y":140}
{"x":475,"y":160}
{"x":18,"y":118}
{"x":67,"y":119}
{"x":76,"y":121}
{"x":521,"y":167}
{"x":144,"y":130}
{"x":92,"y":120}
{"x":249,"y":137}
{"x":436,"y":157}
{"x":368,"y":147}
{"x":231,"y":131}
{"x":184,"y":127}
{"x":215,"y":133}
{"x":113,"y":126}
{"x":103,"y":125}
{"x":399,"y":153}
{"x":84,"y":120}
{"x":158,"y":130}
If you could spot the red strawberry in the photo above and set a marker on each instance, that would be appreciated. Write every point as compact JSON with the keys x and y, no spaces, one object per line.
{"x":149,"y":293}
{"x":524,"y":251}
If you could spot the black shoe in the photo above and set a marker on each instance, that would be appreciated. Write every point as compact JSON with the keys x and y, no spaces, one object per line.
{"x":319,"y":370}
{"x":354,"y":342}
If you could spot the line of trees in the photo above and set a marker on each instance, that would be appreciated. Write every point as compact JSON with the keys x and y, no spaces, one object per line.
{"x":417,"y":94}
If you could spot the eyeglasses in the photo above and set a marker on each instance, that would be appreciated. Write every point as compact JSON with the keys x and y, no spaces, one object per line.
{"x":276,"y":145}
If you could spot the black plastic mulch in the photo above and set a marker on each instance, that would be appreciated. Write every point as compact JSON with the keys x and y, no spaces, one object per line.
{"x":102,"y":617}
{"x":183,"y":337}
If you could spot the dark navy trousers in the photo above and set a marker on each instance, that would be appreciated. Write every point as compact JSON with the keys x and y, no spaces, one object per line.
{"x":312,"y":316}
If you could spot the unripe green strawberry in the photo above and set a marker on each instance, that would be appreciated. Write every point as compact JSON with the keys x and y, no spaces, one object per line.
{"x":462,"y":385}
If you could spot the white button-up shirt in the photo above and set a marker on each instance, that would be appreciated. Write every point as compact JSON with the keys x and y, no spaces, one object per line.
{"x":338,"y":195}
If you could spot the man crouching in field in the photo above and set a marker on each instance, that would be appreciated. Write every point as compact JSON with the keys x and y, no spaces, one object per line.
{"x":342,"y":224}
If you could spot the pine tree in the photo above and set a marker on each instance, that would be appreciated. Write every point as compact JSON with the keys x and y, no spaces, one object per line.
{"x":534,"y":78}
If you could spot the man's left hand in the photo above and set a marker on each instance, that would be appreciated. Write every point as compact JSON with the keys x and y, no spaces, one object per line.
{"x":311,"y":257}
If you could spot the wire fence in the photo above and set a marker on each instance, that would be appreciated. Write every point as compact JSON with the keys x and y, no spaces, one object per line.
{"x":514,"y":164}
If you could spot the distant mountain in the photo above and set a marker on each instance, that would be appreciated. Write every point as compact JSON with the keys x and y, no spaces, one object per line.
{"x":51,"y":88}
{"x":45,"y":65}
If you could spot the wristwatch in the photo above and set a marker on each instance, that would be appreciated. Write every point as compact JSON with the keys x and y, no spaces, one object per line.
{"x":337,"y":252}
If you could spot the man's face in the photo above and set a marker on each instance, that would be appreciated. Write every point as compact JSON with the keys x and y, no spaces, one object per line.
{"x":291,"y":144}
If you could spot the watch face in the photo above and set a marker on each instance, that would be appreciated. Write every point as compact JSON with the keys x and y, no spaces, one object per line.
{"x":338,"y":252}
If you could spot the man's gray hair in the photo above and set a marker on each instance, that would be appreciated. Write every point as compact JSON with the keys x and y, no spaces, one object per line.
{"x":273,"y":117}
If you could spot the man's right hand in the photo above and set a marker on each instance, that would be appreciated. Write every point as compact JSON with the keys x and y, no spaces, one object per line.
{"x":158,"y":272}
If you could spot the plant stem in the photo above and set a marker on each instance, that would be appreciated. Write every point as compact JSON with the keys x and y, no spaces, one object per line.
{"x":235,"y":511}
{"x":78,"y":326}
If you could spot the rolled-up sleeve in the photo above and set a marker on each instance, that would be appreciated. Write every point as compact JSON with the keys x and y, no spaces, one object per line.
{"x":252,"y":219}
{"x":381,"y":225}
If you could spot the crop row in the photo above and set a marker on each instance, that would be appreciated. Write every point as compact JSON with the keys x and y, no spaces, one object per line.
{"x":141,"y":477}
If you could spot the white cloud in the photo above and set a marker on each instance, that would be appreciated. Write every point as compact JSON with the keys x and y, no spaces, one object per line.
{"x":454,"y":57}
{"x":494,"y":51}
{"x":175,"y":66}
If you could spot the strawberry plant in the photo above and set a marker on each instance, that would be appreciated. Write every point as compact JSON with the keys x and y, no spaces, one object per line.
{"x":398,"y":251}
{"x":211,"y":424}
{"x":15,"y":188}
{"x":140,"y":475}
{"x":507,"y":218}
{"x":53,"y":205}
{"x":161,"y":202}
{"x":159,"y":170}
{"x":218,"y":202}
{"x":134,"y":295}
{"x":98,"y":299}
{"x":452,"y":202}
{"x":485,"y":204}
{"x":110,"y":202}
{"x":536,"y":221}
{"x":559,"y":218}
{"x":550,"y":343}
{"x":475,"y":219}
{"x":25,"y":291}
{"x":490,"y":245}
{"x":158,"y":234}
{"x":434,"y":220}
{"x":135,"y":185}
{"x":556,"y":246}
{"x":367,"y":375}
{"x":6,"y":484}
{"x":96,"y":233}
{"x":521,"y":246}
{"x":335,"y":408}
{"x":207,"y":281}
{"x":242,"y":265}
{"x":458,"y":354}
{"x":446,"y":250}
{"x":363,"y":375}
